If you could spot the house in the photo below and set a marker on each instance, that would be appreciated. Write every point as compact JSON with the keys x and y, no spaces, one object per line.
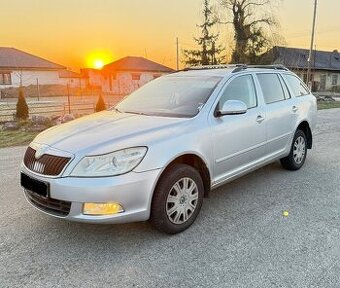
{"x":93,"y":77}
{"x":18,"y":68}
{"x":325,"y":65}
{"x":127,"y":74}
{"x":72,"y":79}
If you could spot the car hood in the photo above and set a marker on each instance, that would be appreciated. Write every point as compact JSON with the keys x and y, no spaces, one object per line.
{"x":107,"y":131}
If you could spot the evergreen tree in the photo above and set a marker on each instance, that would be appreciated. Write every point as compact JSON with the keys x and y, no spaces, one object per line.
{"x":208,"y":52}
{"x":100,"y":106}
{"x":22,"y":108}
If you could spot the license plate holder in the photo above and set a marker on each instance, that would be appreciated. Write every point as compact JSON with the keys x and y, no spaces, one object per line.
{"x":36,"y":186}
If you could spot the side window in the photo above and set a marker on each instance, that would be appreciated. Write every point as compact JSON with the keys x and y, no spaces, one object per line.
{"x":296,"y":87}
{"x":271,"y":88}
{"x":285,"y":88}
{"x":243,"y":89}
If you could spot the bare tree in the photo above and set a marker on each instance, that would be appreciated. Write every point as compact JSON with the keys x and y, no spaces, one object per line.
{"x":250,"y":19}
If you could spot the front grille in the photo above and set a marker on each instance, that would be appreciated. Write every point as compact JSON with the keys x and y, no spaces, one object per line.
{"x":49,"y":205}
{"x":46,"y":165}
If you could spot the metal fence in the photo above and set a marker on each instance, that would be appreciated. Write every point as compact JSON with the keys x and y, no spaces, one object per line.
{"x":55,"y":107}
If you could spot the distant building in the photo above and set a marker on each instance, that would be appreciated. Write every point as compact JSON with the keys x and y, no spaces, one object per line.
{"x":93,"y":77}
{"x":18,"y":68}
{"x":325,"y":65}
{"x":72,"y":79}
{"x":125,"y":75}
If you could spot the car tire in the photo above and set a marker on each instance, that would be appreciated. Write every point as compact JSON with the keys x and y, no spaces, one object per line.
{"x":177,"y":199}
{"x":298,"y":152}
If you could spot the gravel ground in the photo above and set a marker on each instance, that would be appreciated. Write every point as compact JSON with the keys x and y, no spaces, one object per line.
{"x":240,"y":239}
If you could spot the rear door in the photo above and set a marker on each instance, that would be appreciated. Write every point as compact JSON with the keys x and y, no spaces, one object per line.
{"x":280,"y":112}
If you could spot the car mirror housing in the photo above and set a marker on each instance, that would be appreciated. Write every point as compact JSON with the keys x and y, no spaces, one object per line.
{"x":232,"y":107}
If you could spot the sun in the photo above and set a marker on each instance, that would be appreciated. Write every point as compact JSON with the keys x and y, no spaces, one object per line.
{"x":98,"y":59}
{"x":98,"y":64}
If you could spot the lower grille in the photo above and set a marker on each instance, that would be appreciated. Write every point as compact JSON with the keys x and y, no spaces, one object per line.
{"x":49,"y":205}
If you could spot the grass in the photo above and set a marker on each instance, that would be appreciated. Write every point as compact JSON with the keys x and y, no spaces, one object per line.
{"x":16,"y":138}
{"x":328,"y":105}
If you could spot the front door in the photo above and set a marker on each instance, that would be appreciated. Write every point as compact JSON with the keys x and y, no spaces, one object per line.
{"x":238,"y":140}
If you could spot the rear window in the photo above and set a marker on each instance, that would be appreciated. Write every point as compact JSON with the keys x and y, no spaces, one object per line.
{"x":271,"y":88}
{"x":296,"y":87}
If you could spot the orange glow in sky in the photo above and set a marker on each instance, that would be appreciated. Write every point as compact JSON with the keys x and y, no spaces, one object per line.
{"x":141,"y":28}
{"x":98,"y":59}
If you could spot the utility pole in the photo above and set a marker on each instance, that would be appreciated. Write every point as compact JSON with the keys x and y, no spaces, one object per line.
{"x":309,"y":71}
{"x":177,"y":51}
{"x":38,"y":89}
{"x":80,"y":91}
{"x":68,"y":99}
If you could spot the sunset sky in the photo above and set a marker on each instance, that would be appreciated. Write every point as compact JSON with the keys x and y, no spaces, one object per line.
{"x":76,"y":33}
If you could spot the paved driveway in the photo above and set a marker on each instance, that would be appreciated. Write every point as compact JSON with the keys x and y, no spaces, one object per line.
{"x":240,"y":239}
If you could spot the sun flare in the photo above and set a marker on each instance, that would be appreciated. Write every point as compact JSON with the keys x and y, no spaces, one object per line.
{"x":98,"y":64}
{"x":99,"y":59}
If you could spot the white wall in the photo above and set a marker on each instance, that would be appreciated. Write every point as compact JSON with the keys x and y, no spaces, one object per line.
{"x":73,"y":82}
{"x":94,"y":77}
{"x":122,"y":83}
{"x":30,"y":77}
{"x":318,"y":75}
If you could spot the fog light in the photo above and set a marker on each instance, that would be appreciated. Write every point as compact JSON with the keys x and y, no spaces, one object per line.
{"x":102,"y":208}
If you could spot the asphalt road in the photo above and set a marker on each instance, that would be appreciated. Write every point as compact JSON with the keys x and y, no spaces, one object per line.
{"x":240,"y":239}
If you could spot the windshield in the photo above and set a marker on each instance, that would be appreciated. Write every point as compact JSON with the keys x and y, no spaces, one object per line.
{"x":170,"y":96}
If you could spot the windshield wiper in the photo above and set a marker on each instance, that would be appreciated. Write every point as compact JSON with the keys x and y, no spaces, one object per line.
{"x":136,"y":112}
{"x":117,"y":110}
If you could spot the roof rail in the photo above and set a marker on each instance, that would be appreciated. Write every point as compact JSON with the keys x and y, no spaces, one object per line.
{"x":275,"y":67}
{"x":236,"y":67}
{"x":206,"y":67}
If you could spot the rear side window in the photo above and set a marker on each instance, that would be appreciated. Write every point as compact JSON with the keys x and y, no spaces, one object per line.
{"x":296,"y":87}
{"x":271,"y":88}
{"x":243,"y":89}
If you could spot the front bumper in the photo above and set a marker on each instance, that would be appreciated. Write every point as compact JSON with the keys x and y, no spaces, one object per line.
{"x":133,"y":191}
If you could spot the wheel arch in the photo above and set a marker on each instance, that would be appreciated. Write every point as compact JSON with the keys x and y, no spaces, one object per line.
{"x":196,"y":162}
{"x":305,"y":127}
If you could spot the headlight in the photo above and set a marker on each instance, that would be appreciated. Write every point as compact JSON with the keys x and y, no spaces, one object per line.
{"x":112,"y":164}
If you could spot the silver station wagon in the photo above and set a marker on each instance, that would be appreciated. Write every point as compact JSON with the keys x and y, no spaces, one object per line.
{"x":162,"y":149}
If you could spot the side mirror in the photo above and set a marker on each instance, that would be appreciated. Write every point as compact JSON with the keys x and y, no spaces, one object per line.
{"x":232,"y":107}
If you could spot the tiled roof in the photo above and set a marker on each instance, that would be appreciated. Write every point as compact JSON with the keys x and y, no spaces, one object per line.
{"x":298,"y":58}
{"x":137,"y":64}
{"x":68,"y":74}
{"x":14,"y":58}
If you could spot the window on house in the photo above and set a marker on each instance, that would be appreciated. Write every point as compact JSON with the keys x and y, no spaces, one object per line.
{"x":114,"y":76}
{"x":271,"y":88}
{"x":334,"y":79}
{"x":5,"y":78}
{"x":135,"y":76}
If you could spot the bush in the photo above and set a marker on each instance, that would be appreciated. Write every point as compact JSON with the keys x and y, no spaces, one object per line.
{"x":100,"y":106}
{"x":22,"y":108}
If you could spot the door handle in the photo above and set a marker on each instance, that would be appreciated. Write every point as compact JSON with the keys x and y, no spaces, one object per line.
{"x":259,"y":119}
{"x":295,"y":109}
